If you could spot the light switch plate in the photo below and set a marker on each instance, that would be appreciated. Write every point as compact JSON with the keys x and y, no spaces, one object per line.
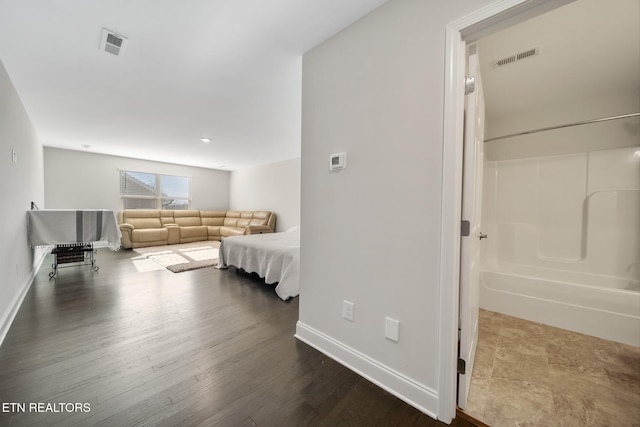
{"x":392,"y":329}
{"x":347,"y":310}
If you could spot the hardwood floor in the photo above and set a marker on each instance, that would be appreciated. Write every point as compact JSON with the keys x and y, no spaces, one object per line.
{"x":204,"y":347}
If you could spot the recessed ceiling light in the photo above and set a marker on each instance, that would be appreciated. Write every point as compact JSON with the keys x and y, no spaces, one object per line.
{"x":205,"y":139}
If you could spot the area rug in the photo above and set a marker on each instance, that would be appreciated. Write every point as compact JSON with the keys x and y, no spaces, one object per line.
{"x":177,"y":258}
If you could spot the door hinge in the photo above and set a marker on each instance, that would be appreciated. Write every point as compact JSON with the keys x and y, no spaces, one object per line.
{"x":469,"y":85}
{"x":462,"y":366}
{"x":465,"y":228}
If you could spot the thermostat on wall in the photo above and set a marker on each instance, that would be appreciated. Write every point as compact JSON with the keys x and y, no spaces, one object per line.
{"x":337,"y":161}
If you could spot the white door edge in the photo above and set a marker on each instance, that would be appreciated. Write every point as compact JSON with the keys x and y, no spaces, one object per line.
{"x":482,"y":21}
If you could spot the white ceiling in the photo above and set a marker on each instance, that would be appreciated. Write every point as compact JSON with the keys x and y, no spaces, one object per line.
{"x":231,"y":70}
{"x":587,"y":48}
{"x":226,"y":69}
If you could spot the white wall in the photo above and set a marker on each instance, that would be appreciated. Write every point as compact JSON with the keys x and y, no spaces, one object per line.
{"x":81,"y":180}
{"x":20,"y":184}
{"x":273,"y":187}
{"x":371,"y":232}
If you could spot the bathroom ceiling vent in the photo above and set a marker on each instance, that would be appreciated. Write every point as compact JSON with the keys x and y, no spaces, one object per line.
{"x":529,"y":53}
{"x":113,"y":43}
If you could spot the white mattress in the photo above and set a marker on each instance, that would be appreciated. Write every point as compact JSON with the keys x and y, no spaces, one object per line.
{"x":273,"y":256}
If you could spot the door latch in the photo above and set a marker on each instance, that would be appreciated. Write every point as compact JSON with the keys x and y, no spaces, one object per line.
{"x":482,"y":236}
{"x":465,"y":228}
{"x":462,"y":366}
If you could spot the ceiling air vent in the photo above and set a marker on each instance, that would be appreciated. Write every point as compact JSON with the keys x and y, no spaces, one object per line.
{"x":112,"y":42}
{"x":534,"y":51}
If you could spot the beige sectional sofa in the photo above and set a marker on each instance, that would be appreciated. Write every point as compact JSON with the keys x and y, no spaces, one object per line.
{"x":151,"y":227}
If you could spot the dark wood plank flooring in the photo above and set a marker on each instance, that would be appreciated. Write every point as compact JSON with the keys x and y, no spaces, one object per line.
{"x":204,"y":347}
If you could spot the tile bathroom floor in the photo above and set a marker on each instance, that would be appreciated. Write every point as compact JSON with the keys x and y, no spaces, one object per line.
{"x":530,"y":374}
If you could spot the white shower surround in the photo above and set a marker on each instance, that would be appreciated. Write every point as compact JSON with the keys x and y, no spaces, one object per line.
{"x":564,"y":241}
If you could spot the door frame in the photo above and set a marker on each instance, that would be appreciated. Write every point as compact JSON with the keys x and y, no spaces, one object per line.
{"x":494,"y":17}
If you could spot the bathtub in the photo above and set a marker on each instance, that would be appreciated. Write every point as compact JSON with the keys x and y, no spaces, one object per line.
{"x":605,"y":307}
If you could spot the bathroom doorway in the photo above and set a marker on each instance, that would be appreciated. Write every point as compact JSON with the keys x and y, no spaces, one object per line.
{"x":560,"y":205}
{"x":562,"y":173}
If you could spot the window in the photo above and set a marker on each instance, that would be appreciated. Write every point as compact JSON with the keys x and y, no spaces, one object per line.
{"x":141,"y":190}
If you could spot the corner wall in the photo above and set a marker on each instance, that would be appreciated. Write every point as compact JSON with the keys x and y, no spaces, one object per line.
{"x":20,"y":183}
{"x":371,"y":232}
{"x":272,"y":187}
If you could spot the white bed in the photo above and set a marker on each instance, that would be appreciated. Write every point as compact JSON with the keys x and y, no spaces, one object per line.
{"x":274,"y":256}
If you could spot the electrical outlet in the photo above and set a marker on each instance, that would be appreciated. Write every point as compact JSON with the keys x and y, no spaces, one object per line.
{"x":14,"y":156}
{"x":347,"y":310}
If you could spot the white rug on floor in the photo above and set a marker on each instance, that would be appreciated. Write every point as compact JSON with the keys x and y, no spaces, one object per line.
{"x":177,"y":258}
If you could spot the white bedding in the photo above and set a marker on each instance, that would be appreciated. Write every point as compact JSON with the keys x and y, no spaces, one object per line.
{"x":273,"y":256}
{"x":65,"y":226}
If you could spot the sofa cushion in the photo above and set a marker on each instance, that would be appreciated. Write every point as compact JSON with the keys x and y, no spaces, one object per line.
{"x":243,"y":222}
{"x":215,"y":218}
{"x":198,"y":231}
{"x":166,"y":217}
{"x":260,"y":218}
{"x":150,"y":234}
{"x":187,"y":218}
{"x":142,"y":218}
{"x":213,"y":232}
{"x":231,"y":231}
{"x":231,"y":220}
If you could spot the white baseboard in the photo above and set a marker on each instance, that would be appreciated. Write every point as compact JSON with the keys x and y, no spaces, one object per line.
{"x":7,"y":318}
{"x":415,"y":394}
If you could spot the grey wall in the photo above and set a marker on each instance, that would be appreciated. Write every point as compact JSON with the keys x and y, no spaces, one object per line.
{"x":20,"y":184}
{"x":274,"y":187}
{"x":81,"y":180}
{"x":371,"y":232}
